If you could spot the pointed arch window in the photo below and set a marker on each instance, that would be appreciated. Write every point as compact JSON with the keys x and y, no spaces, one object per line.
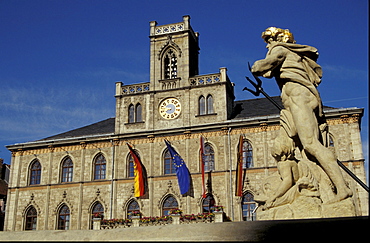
{"x":170,"y":65}
{"x":169,"y":167}
{"x":247,"y":155}
{"x":63,"y":218}
{"x":209,"y":107}
{"x":248,"y":206}
{"x":209,"y":158}
{"x":35,"y":173}
{"x":131,"y":113}
{"x":205,"y":105}
{"x":31,"y":219}
{"x":67,"y":170}
{"x":138,"y":117}
{"x":169,"y":203}
{"x":135,"y":113}
{"x":208,"y":203}
{"x":97,"y":211}
{"x":99,"y":167}
{"x":130,"y":166}
{"x":132,"y":206}
{"x":202,"y":105}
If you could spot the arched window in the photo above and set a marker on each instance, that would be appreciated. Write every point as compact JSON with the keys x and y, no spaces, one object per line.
{"x":208,"y":203}
{"x":31,"y":219}
{"x":202,"y":105}
{"x":97,"y":211}
{"x":130,"y":166}
{"x":247,"y":155}
{"x":170,"y":65}
{"x":131,"y":113}
{"x":248,"y":206}
{"x":63,"y":218}
{"x":138,"y":117}
{"x":99,"y":167}
{"x":169,"y":167}
{"x":209,"y":108}
{"x":209,"y":158}
{"x":67,"y":170}
{"x":132,"y":206}
{"x":35,"y":173}
{"x":169,"y":203}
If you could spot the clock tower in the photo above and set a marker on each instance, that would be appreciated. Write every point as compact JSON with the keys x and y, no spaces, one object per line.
{"x":176,"y":97}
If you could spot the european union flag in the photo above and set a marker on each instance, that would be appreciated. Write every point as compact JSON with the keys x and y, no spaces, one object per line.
{"x":182,"y":172}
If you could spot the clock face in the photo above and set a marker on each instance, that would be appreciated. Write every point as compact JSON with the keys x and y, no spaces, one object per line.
{"x":170,"y":108}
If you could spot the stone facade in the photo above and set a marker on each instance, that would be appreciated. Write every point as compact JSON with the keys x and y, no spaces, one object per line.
{"x":147,"y":130}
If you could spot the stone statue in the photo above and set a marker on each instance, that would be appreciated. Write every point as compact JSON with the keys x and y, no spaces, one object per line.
{"x":300,"y":147}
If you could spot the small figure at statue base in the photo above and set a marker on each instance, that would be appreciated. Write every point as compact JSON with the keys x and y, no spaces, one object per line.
{"x":309,"y":197}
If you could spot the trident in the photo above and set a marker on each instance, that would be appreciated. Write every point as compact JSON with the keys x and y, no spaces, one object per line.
{"x":259,"y":89}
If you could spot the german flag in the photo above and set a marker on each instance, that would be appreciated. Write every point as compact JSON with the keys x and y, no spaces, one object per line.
{"x":139,"y":173}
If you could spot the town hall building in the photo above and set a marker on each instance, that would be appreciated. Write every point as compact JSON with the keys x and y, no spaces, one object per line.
{"x":61,"y":181}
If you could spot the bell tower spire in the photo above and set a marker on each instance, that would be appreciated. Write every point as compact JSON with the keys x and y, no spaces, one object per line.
{"x":174,"y":54}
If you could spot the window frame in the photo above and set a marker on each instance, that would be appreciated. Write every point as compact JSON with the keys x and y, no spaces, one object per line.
{"x":247,"y":155}
{"x":138,"y":113}
{"x":202,"y":106}
{"x":100,"y":167}
{"x":209,"y":104}
{"x":248,"y":205}
{"x":96,"y":208}
{"x":168,"y":164}
{"x":64,"y":218}
{"x":131,"y":114}
{"x":170,"y":64}
{"x":35,"y":171}
{"x":209,"y":158}
{"x":31,"y":219}
{"x":66,"y":176}
{"x":166,"y":209}
{"x":130,"y":208}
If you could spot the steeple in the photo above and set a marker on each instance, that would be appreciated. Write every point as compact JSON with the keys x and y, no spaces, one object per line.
{"x":174,"y":53}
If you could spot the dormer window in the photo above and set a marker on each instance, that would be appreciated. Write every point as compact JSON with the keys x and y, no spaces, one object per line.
{"x":170,"y":65}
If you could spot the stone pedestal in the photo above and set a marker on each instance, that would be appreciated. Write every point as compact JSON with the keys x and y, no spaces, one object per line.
{"x":135,"y":221}
{"x":96,"y":223}
{"x":219,"y":216}
{"x":175,"y":218}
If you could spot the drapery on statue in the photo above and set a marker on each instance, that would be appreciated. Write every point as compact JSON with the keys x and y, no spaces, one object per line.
{"x":303,"y":123}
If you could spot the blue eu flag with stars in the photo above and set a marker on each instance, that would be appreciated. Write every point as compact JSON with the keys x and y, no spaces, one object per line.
{"x":182,"y":172}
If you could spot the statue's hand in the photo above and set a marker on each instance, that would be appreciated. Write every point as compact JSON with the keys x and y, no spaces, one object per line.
{"x":268,"y":74}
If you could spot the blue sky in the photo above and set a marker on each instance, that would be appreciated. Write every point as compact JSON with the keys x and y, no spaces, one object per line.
{"x":60,"y":59}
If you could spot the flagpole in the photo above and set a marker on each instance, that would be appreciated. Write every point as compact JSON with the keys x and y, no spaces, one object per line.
{"x":231,"y":176}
